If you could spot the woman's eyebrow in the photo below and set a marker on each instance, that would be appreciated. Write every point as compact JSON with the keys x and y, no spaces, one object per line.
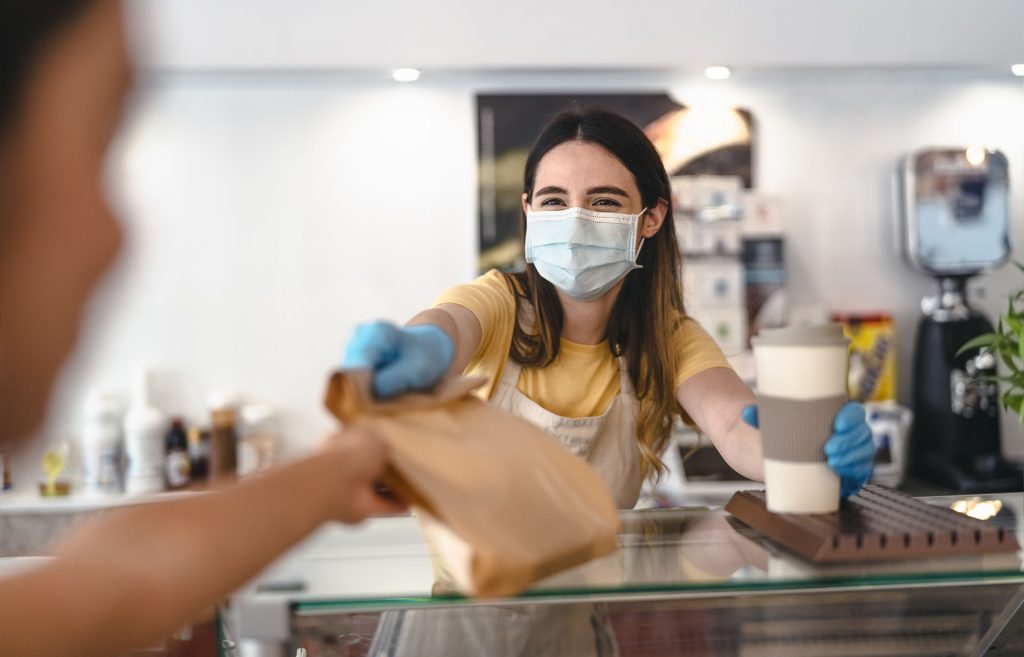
{"x":604,"y":189}
{"x":608,"y":189}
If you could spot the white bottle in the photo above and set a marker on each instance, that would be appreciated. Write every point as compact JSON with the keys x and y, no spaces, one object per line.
{"x":144,"y":429}
{"x":102,"y":443}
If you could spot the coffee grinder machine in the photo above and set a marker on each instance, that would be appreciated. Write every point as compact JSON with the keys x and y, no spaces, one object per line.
{"x":953,"y":205}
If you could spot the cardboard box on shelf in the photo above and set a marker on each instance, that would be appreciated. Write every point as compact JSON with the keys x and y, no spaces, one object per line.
{"x":710,"y":283}
{"x":707,"y":197}
{"x":684,"y":194}
{"x":728,"y":326}
{"x":717,"y":191}
{"x":712,"y":238}
{"x":765,"y":278}
{"x":762,"y":215}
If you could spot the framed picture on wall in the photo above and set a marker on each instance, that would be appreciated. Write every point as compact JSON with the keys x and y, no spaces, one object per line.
{"x":692,"y":141}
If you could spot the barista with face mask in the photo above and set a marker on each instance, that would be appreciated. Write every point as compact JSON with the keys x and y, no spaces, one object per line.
{"x":591,"y":342}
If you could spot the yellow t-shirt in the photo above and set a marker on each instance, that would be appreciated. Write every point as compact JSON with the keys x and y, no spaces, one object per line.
{"x":584,"y":379}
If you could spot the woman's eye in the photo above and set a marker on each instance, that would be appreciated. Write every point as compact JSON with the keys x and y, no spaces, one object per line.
{"x":607,"y":202}
{"x":549,"y":202}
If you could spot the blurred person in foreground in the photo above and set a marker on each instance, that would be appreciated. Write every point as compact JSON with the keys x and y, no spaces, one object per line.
{"x":136,"y":575}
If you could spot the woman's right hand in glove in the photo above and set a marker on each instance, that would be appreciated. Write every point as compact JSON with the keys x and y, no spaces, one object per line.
{"x":401,"y":358}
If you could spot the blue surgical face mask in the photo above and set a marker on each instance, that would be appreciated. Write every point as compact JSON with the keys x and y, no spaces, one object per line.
{"x":582,"y":252}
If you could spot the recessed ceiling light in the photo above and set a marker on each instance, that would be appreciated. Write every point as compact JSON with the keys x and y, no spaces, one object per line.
{"x":1018,"y":70}
{"x":975,"y":155}
{"x":405,"y":74}
{"x":717,"y":72}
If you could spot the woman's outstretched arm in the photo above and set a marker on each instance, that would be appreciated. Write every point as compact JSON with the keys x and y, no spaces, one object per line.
{"x":715,"y":399}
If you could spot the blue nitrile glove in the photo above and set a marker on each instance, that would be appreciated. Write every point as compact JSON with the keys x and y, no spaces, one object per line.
{"x":402,"y":358}
{"x":850,"y":451}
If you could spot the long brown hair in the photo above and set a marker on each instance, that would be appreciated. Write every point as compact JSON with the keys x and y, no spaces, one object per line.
{"x":646,"y":314}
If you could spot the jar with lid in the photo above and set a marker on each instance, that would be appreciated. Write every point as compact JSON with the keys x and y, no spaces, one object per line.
{"x":198,"y":454}
{"x":223,"y":435}
{"x":5,"y":465}
{"x":257,"y":440}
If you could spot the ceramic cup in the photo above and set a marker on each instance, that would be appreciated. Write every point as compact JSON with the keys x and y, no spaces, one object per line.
{"x":801,"y":383}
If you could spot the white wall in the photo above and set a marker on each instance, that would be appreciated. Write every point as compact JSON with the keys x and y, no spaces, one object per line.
{"x":264,"y":221}
{"x":605,"y":34}
{"x":268,"y":214}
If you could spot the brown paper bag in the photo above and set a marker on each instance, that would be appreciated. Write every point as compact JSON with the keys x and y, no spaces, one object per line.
{"x":502,"y":502}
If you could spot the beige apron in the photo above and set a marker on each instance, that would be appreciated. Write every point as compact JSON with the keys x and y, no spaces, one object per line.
{"x":608,"y":443}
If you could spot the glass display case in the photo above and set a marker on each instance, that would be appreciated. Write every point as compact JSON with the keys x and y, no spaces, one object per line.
{"x":691,"y":581}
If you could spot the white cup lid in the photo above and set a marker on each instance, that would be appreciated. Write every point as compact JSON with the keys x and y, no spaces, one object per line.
{"x":821,"y":335}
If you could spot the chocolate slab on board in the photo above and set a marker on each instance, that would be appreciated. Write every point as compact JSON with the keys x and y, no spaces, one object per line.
{"x":876,"y":525}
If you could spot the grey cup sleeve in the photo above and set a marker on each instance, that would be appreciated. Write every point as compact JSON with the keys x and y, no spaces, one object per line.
{"x":797,"y":430}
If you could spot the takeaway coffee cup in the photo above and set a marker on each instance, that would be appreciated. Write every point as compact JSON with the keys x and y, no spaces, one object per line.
{"x":801,"y":385}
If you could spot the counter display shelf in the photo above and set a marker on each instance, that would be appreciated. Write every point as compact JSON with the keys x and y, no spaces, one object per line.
{"x":691,"y":581}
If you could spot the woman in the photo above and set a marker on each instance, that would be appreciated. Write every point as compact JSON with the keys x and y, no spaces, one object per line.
{"x":591,"y":342}
{"x":134,"y":576}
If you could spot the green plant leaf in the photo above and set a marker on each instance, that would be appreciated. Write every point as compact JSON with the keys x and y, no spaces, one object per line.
{"x":1006,"y":343}
{"x":996,"y":379}
{"x":1013,"y":381}
{"x":1007,"y":352}
{"x":986,"y":340}
{"x":1012,"y":399}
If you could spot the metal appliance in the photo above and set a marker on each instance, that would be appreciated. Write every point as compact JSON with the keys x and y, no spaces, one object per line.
{"x":954,"y":211}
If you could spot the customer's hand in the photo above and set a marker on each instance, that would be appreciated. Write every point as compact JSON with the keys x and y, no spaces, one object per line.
{"x":360,"y":459}
{"x":850,"y":451}
{"x":401,"y":358}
